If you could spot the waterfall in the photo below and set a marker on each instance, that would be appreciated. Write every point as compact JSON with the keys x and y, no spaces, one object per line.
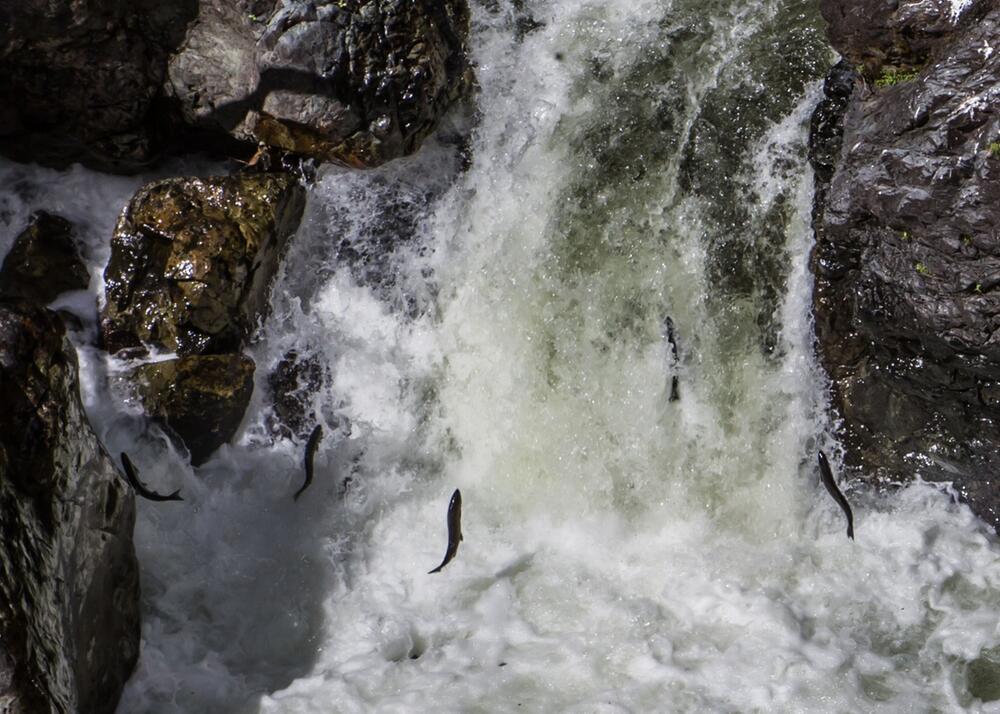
{"x":490,"y":315}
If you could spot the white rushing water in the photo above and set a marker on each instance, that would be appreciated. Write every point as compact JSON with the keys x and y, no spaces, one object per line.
{"x":498,"y":327}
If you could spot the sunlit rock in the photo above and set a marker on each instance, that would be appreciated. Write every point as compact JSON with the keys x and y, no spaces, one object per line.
{"x":44,"y":261}
{"x":907,"y":259}
{"x":69,"y":581}
{"x":201,"y":399}
{"x":192,"y":261}
{"x":356,"y":81}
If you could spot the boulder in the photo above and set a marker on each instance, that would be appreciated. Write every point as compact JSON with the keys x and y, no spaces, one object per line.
{"x":358,"y":82}
{"x":907,"y":254}
{"x":293,"y":383}
{"x":69,"y":580}
{"x":192,"y":261}
{"x":44,"y":261}
{"x":199,"y":399}
{"x":81,"y":81}
{"x":898,"y":34}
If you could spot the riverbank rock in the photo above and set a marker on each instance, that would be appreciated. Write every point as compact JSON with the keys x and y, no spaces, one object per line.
{"x":907,"y":255}
{"x":200,"y":399}
{"x":81,"y":81}
{"x":357,"y":82}
{"x":192,"y":261}
{"x":69,"y":581}
{"x":44,"y":261}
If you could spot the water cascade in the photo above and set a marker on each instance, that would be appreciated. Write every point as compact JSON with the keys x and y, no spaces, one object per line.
{"x":491,"y":315}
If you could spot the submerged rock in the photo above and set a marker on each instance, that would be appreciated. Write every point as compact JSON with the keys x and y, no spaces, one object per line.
{"x":192,"y":261}
{"x":293,"y":382}
{"x":44,"y":261}
{"x":69,"y":581}
{"x":358,"y":82}
{"x":907,"y":258}
{"x":200,"y":399}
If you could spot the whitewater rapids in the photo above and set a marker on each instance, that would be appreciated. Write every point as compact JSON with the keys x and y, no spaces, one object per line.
{"x":489,"y":315}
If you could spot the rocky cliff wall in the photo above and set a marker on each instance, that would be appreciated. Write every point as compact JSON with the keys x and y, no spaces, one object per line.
{"x":906,"y":148}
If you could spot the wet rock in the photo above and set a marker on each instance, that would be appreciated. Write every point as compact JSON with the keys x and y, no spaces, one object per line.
{"x":192,"y":261}
{"x":200,"y":399}
{"x":69,"y":581}
{"x":44,"y":261}
{"x":907,"y":258}
{"x":80,"y":81}
{"x":293,"y":382}
{"x":898,"y":34}
{"x":358,"y":82}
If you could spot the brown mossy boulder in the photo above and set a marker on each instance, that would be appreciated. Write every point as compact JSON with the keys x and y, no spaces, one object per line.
{"x":199,"y":399}
{"x":44,"y":261}
{"x":69,"y":580}
{"x":192,"y":261}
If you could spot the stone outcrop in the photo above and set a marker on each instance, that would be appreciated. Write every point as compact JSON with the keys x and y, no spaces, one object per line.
{"x":113,"y":84}
{"x":80,"y":81}
{"x":69,"y":581}
{"x":907,"y":256}
{"x":353,"y":81}
{"x":200,"y":399}
{"x":192,"y":261}
{"x":44,"y":261}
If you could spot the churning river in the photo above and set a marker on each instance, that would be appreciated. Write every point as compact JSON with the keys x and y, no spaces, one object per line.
{"x":491,"y":315}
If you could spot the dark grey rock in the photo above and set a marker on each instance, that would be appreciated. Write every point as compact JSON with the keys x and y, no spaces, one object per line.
{"x":69,"y":581}
{"x":358,"y":82}
{"x":44,"y":261}
{"x":200,"y":399}
{"x":907,"y":258}
{"x":80,"y":81}
{"x":192,"y":261}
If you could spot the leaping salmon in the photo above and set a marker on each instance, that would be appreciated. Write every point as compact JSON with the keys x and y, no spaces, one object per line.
{"x":831,"y":486}
{"x":311,"y":447}
{"x":454,"y":529}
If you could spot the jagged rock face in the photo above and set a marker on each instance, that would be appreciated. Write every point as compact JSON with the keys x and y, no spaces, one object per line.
{"x":907,"y":259}
{"x":358,"y":82}
{"x":69,"y":581}
{"x":44,"y":261}
{"x":200,"y":399}
{"x":901,"y":34}
{"x":192,"y":261}
{"x":79,"y":80}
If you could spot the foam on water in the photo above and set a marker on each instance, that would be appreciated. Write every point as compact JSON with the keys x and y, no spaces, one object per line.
{"x":500,"y":328}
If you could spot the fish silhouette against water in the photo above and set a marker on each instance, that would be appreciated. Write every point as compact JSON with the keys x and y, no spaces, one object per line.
{"x":454,"y":529}
{"x":133,"y":478}
{"x":668,"y":324}
{"x":831,"y":487}
{"x":311,"y":447}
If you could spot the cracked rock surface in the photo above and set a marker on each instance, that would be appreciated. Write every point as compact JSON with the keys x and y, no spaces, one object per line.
{"x":907,"y":255}
{"x":357,"y":82}
{"x":69,"y":580}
